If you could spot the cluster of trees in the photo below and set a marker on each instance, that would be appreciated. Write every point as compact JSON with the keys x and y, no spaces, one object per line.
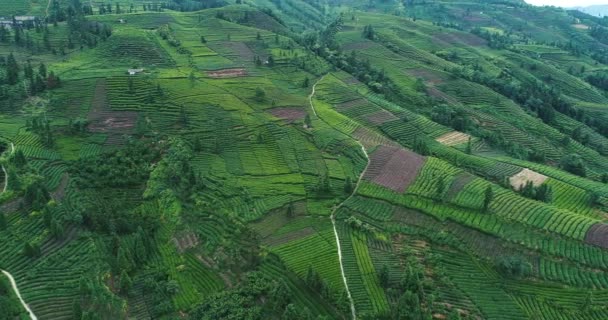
{"x":514,"y":267}
{"x":540,"y":98}
{"x":166,"y":33}
{"x":495,"y":40}
{"x":19,"y":80}
{"x":107,"y":8}
{"x":542,"y":193}
{"x":599,"y":80}
{"x":455,"y":118}
{"x":322,"y":188}
{"x":599,"y":33}
{"x":175,"y":176}
{"x":574,"y":164}
{"x":41,"y":126}
{"x":10,"y":307}
{"x":192,"y":5}
{"x":324,"y":44}
{"x":368,"y":32}
{"x":243,"y":302}
{"x":95,"y":301}
{"x":127,"y":167}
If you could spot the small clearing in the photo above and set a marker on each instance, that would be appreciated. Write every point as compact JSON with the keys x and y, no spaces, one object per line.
{"x":102,"y":119}
{"x":580,"y":26}
{"x":520,"y":179}
{"x":227,"y":73}
{"x":453,"y":138}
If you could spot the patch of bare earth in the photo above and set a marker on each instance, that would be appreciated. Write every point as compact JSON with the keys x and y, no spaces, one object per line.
{"x":453,"y":138}
{"x":344,"y":106}
{"x":394,"y":168}
{"x":227,"y":73}
{"x":102,"y":119}
{"x":59,"y":193}
{"x":290,"y":114}
{"x":429,"y":76}
{"x":598,"y":235}
{"x":186,"y":241}
{"x":521,"y":178}
{"x":580,"y":26}
{"x":380,"y":117}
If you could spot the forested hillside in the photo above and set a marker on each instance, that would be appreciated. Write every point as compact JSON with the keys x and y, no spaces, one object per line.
{"x":291,"y":159}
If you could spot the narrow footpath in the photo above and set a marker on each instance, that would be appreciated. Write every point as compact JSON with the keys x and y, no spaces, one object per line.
{"x":14,"y":285}
{"x":333,"y":212}
{"x":8,"y":275}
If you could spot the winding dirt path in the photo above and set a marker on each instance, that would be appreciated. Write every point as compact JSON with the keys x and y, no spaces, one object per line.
{"x":333,"y":212}
{"x":314,"y":86}
{"x":14,"y":285}
{"x":6,"y":173}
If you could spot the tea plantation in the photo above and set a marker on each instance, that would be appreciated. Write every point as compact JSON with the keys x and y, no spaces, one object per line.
{"x":289,"y":159}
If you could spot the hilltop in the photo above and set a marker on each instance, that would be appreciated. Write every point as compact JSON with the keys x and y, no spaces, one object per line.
{"x":290,"y":159}
{"x":596,"y":10}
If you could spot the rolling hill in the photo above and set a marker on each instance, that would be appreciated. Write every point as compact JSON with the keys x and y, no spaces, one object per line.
{"x":289,"y":159}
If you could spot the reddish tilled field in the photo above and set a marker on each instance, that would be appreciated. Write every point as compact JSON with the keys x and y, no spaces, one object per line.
{"x":394,"y":168}
{"x":290,"y":114}
{"x":227,"y":73}
{"x":598,"y":235}
{"x":380,"y":117}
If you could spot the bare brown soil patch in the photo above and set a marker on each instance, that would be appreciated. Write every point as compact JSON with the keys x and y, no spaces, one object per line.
{"x":289,"y":113}
{"x":185,"y":241}
{"x":598,"y":235}
{"x":394,"y":168}
{"x":289,"y":237}
{"x":520,"y":179}
{"x":227,"y":73}
{"x":380,"y":117}
{"x":453,"y":138}
{"x":103,"y":120}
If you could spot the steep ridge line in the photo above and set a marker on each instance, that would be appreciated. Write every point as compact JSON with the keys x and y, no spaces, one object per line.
{"x":333,"y":212}
{"x":14,"y":285}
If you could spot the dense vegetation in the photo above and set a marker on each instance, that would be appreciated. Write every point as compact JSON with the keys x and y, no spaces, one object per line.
{"x":290,"y":159}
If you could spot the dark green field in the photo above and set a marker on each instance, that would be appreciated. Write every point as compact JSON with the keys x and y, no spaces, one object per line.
{"x":290,"y":159}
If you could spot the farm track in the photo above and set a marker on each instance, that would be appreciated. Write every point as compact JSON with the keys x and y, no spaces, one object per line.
{"x":14,"y":285}
{"x":333,"y":212}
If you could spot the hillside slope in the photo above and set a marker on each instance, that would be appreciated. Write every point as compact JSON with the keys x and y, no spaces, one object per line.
{"x":304,"y":160}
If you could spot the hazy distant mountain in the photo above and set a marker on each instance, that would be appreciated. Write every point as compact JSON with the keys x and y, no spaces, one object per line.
{"x":595,"y":10}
